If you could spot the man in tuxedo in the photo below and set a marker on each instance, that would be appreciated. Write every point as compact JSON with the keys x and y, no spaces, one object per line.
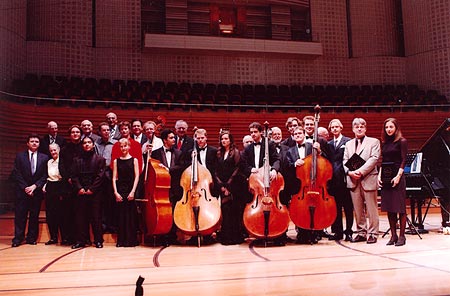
{"x":295,"y":157}
{"x":207,"y":154}
{"x":183,"y":142}
{"x":172,"y":159}
{"x":338,"y":186}
{"x":29,"y":175}
{"x":309,"y":126}
{"x":363,"y":181}
{"x":282,"y":150}
{"x":291,"y":124}
{"x":50,"y":138}
{"x":253,"y":155}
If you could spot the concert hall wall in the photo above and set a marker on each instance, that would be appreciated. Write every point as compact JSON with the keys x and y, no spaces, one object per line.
{"x":57,"y":38}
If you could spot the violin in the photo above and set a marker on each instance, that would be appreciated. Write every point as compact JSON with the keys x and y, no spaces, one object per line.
{"x":158,"y":209}
{"x":312,"y":207}
{"x":198,"y":212}
{"x":266,"y":217}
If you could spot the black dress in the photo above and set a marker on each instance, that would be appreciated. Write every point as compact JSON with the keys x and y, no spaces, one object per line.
{"x":394,"y":199}
{"x":127,"y":225}
{"x":227,"y":175}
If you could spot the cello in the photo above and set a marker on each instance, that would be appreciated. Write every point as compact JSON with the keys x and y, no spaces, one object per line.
{"x":266,"y":217}
{"x":158,"y":209}
{"x":198,"y":212}
{"x":312,"y":207}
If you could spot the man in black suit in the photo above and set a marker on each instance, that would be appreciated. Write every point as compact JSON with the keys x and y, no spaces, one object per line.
{"x":29,"y":174}
{"x":282,"y":150}
{"x":295,"y":156}
{"x":291,"y":124}
{"x":137,"y":131}
{"x":50,"y":138}
{"x":338,"y":185}
{"x":253,"y":154}
{"x":207,"y":154}
{"x":183,"y":142}
{"x":172,"y":159}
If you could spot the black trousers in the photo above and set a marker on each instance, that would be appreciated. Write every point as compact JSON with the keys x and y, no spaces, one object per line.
{"x":26,"y":208}
{"x":54,"y":208}
{"x":88,"y":212}
{"x":343,"y":202}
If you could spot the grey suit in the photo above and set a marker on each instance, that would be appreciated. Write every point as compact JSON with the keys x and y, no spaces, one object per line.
{"x":364,"y":190}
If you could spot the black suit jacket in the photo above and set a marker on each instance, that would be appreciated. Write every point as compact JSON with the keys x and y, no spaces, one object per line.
{"x":21,"y":173}
{"x":178,"y":165}
{"x":45,"y":141}
{"x":289,"y":142}
{"x":293,"y":183}
{"x":248,"y":158}
{"x":186,"y":146}
{"x":336,"y":157}
{"x":88,"y":173}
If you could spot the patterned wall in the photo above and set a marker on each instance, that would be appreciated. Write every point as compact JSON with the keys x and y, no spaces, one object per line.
{"x":67,"y":50}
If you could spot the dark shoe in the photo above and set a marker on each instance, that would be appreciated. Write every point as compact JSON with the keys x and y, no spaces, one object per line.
{"x":401,"y":241}
{"x":51,"y":242}
{"x":372,"y":239}
{"x":392,"y":241}
{"x":119,"y":245}
{"x":348,"y":237}
{"x":77,"y":246}
{"x":99,"y":245}
{"x":335,"y":237}
{"x":15,"y":245}
{"x":32,"y":243}
{"x":358,"y":238}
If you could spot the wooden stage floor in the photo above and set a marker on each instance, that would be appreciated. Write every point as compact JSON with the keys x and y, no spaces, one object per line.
{"x":421,"y":267}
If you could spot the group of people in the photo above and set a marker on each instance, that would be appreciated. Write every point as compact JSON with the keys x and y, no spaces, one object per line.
{"x":93,"y":180}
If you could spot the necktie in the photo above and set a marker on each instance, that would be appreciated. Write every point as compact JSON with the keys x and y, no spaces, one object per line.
{"x":33,"y":166}
{"x":335,"y":143}
{"x":179,"y":144}
{"x":358,"y":145}
{"x":52,"y":140}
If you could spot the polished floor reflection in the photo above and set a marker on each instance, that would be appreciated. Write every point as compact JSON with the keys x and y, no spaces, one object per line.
{"x":421,"y":267}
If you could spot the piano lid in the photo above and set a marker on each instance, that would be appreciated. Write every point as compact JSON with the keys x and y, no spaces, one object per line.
{"x":441,"y":136}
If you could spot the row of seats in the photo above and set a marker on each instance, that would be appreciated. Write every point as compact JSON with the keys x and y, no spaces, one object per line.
{"x":215,"y":96}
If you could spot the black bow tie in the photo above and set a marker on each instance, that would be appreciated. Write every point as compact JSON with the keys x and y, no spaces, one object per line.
{"x":257,"y":143}
{"x":301,"y":145}
{"x":309,"y":137}
{"x":201,"y":149}
{"x":167,"y":150}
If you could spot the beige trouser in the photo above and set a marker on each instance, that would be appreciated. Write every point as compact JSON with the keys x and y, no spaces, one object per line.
{"x":365,"y":205}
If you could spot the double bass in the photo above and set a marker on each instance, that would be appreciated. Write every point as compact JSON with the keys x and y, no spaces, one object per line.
{"x":158,"y":209}
{"x":198,"y":213}
{"x":312,"y":207}
{"x":266,"y":217}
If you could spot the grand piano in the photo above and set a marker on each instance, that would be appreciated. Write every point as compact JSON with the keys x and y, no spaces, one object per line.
{"x":428,"y":176}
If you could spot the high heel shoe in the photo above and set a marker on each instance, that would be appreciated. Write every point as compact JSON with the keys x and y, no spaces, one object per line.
{"x":401,"y":241}
{"x":392,"y":241}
